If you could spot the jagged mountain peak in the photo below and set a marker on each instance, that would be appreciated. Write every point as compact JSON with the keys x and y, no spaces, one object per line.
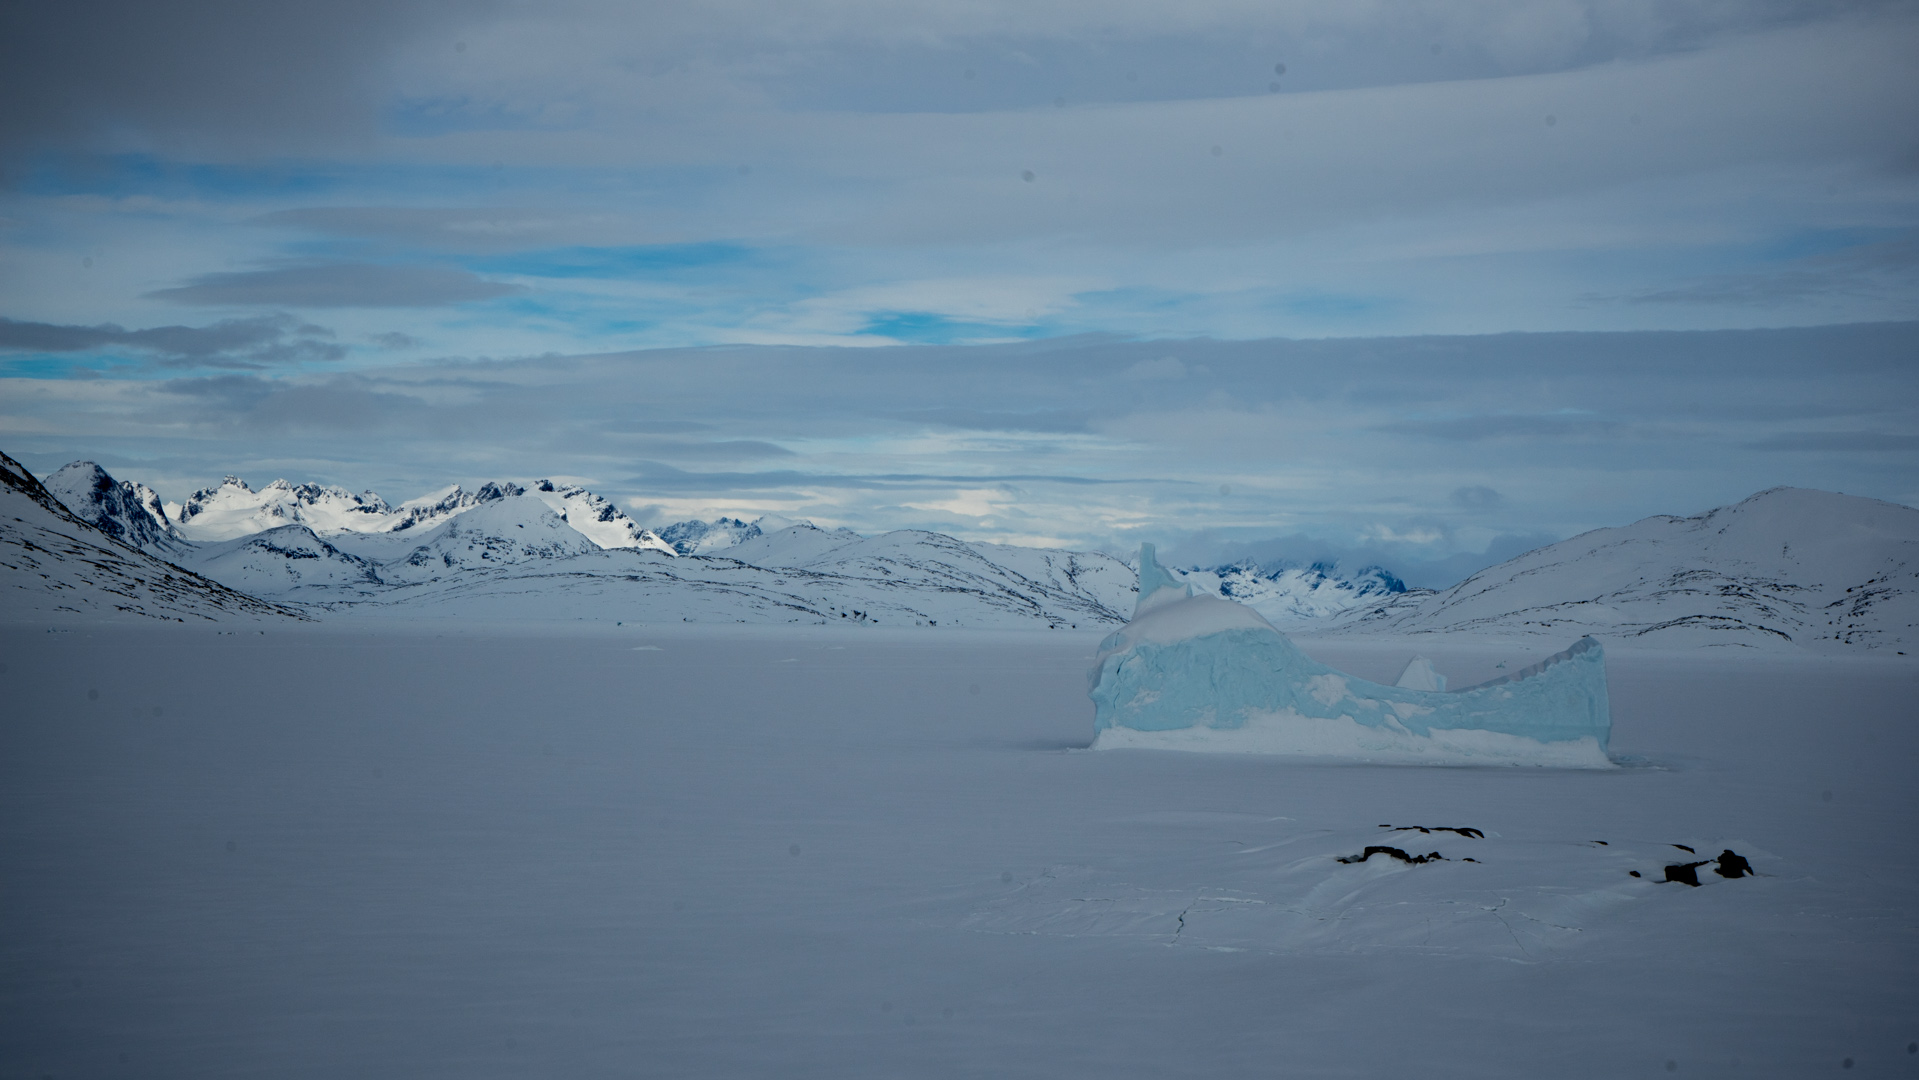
{"x":129,"y":512}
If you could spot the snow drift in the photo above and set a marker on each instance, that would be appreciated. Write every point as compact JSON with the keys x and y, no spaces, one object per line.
{"x":1199,"y":672}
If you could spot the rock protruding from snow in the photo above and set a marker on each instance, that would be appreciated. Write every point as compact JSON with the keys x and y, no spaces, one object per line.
{"x":1786,"y":565}
{"x":1202,"y":673}
{"x":55,"y":565}
{"x":129,"y":512}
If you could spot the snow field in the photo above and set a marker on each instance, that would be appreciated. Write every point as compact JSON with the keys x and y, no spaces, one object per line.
{"x":449,"y":850}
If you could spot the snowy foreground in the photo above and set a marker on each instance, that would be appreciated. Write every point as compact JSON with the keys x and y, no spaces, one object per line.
{"x":439,"y":850}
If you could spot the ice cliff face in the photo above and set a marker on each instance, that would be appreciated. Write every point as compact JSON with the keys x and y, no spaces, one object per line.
{"x":1787,"y":565}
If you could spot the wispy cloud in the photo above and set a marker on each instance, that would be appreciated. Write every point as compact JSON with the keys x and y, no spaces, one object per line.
{"x":337,"y":285}
{"x":258,"y":342}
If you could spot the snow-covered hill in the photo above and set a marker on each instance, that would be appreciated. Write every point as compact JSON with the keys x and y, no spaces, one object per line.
{"x":1786,"y":565}
{"x":511,"y":531}
{"x":53,"y":564}
{"x":289,"y":562}
{"x":1082,"y":586}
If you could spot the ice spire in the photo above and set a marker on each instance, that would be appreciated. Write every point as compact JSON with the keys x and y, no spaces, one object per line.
{"x":1155,"y":580}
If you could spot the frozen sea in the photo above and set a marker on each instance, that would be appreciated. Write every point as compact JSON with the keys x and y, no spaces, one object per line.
{"x":421,"y":851}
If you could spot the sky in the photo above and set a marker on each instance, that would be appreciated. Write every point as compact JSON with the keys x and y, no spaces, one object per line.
{"x":1419,"y":283}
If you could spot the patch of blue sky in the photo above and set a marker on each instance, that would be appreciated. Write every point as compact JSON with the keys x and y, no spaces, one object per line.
{"x":427,"y":117}
{"x":929,"y":328}
{"x":619,"y":263}
{"x":88,"y":365}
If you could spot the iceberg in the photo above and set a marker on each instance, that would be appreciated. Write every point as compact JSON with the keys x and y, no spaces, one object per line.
{"x":1193,"y":671}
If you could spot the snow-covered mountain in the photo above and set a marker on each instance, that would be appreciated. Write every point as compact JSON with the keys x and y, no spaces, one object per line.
{"x":54,"y":564}
{"x":129,"y":512}
{"x":504,"y":533}
{"x":707,"y":537}
{"x":596,"y":518}
{"x":233,"y":509}
{"x":1297,"y":594}
{"x":1786,"y":565}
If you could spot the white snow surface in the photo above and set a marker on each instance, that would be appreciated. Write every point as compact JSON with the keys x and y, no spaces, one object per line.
{"x":1788,"y":565}
{"x":444,"y":849}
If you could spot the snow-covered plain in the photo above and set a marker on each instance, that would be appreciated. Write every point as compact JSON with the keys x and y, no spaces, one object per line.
{"x":446,"y":849}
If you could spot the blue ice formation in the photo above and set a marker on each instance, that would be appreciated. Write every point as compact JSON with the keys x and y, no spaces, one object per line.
{"x":1194,"y":671}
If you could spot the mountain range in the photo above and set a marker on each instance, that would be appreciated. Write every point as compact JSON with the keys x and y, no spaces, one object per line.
{"x":1787,"y":565}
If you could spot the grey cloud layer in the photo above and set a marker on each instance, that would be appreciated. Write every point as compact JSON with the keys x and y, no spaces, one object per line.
{"x":231,"y":343}
{"x":337,"y":285}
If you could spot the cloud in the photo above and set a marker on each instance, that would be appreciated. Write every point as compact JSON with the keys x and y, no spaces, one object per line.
{"x":466,"y":229}
{"x":207,"y":72}
{"x":1478,"y":497}
{"x":656,"y":475}
{"x":1063,"y":421}
{"x":234,"y":343}
{"x":337,"y":285}
{"x":1868,"y":442}
{"x":1862,"y":270}
{"x":1518,"y":428}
